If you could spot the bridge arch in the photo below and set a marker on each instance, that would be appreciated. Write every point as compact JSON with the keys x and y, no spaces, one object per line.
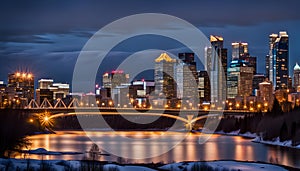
{"x":184,"y":120}
{"x":194,"y":120}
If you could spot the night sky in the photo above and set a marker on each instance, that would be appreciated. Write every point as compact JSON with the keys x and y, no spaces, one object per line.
{"x":45,"y":37}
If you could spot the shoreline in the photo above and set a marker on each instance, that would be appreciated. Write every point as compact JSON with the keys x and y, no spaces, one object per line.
{"x":13,"y":163}
{"x":257,"y":139}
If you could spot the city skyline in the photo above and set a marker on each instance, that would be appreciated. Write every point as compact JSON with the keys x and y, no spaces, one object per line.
{"x":50,"y":49}
{"x":261,"y":69}
{"x":149,"y":85}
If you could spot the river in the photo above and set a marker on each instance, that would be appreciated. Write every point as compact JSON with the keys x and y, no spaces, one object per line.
{"x":218,"y":147}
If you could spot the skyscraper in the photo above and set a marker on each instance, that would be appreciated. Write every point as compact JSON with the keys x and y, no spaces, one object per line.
{"x":22,"y":84}
{"x":186,"y":76}
{"x":114,"y":78}
{"x":164,"y":76}
{"x":296,"y":76}
{"x":239,"y":50}
{"x":189,"y":59}
{"x":268,"y":67}
{"x":251,"y":60}
{"x":239,"y":80}
{"x":216,"y":66}
{"x":279,"y":60}
{"x":204,"y":86}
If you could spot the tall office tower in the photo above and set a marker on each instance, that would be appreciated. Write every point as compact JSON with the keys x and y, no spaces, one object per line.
{"x":272,"y":39}
{"x":216,"y":66}
{"x":239,"y":50}
{"x":115,"y":78}
{"x":204,"y":86}
{"x":2,"y":94}
{"x":186,"y":76}
{"x":106,"y":80}
{"x":268,"y":67}
{"x":296,"y":76}
{"x":118,"y":77}
{"x":164,"y":76}
{"x":258,"y":78}
{"x":239,"y":80}
{"x":251,"y":60}
{"x":279,"y":60}
{"x":22,"y":84}
{"x":189,"y":59}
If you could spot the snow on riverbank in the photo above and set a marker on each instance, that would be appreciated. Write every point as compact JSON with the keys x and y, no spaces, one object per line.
{"x":276,"y":142}
{"x":221,"y":165}
{"x":237,"y":133}
{"x":61,"y":165}
{"x":258,"y":139}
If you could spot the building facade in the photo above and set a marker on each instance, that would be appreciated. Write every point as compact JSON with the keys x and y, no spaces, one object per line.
{"x":20,"y":86}
{"x":239,"y":50}
{"x":297,"y":77}
{"x":216,"y":66}
{"x":239,"y":80}
{"x":186,"y":76}
{"x":265,"y":94}
{"x":204,"y":87}
{"x":51,"y":91}
{"x":164,"y":76}
{"x":279,"y":60}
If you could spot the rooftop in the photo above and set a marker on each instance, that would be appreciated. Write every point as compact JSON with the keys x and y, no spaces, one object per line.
{"x":165,"y":57}
{"x":297,"y":67}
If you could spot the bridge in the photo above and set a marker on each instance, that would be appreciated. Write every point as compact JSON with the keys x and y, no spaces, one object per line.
{"x":61,"y":107}
{"x":188,"y":120}
{"x":47,"y":112}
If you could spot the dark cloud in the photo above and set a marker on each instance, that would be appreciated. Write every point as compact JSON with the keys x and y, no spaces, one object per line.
{"x":46,"y":36}
{"x":54,"y":15}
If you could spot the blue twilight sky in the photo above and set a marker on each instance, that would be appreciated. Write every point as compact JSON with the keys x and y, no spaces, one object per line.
{"x":45,"y":37}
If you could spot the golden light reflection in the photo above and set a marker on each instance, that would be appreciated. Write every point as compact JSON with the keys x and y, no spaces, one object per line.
{"x":239,"y":152}
{"x":210,"y":150}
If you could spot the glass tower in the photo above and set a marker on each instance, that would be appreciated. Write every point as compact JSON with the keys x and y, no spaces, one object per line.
{"x":279,"y":60}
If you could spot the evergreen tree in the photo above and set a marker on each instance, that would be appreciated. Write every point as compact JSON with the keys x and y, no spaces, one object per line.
{"x":276,"y":109}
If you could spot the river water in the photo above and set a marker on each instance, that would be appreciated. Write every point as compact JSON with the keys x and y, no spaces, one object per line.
{"x":218,"y":147}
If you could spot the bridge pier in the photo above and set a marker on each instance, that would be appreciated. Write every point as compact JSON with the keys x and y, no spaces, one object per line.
{"x":189,"y":125}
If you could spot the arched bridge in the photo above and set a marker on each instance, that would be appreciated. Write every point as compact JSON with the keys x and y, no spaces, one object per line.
{"x":189,"y":120}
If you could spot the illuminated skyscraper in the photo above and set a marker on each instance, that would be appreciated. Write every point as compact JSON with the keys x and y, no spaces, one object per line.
{"x":115,"y":78}
{"x":239,"y":50}
{"x":22,"y":84}
{"x":268,"y":67}
{"x":164,"y":76}
{"x":186,"y":76}
{"x":279,"y":60}
{"x":239,"y":80}
{"x":216,"y":66}
{"x":296,"y":76}
{"x":204,"y":87}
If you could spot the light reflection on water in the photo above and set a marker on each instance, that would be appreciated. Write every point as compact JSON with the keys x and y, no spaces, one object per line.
{"x":216,"y":148}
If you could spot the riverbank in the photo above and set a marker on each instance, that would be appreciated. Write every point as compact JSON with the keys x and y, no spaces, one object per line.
{"x":74,"y":165}
{"x":258,"y":139}
{"x":276,"y":142}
